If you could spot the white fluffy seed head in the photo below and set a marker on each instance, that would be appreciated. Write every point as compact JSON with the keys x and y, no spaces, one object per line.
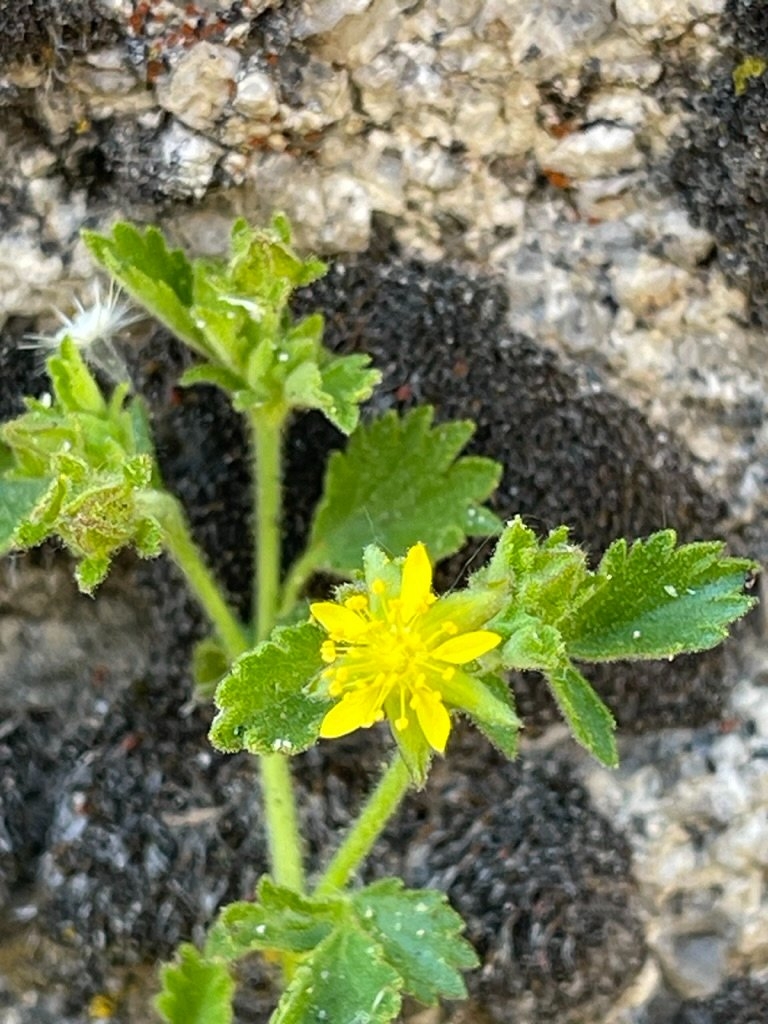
{"x":93,"y":330}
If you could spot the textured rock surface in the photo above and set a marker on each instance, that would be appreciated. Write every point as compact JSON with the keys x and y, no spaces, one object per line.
{"x":597,"y":161}
{"x":738,"y":1002}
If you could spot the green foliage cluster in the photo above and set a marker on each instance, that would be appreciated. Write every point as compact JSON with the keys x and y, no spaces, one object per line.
{"x":80,"y":466}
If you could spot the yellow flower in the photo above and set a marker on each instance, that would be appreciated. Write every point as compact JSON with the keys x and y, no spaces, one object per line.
{"x":395,"y":651}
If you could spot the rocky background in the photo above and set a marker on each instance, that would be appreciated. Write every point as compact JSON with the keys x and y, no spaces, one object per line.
{"x":548,"y":215}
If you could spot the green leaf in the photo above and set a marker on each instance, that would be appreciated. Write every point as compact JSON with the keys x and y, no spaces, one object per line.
{"x":208,"y":373}
{"x":195,"y":990}
{"x":209,"y":665}
{"x":531,"y":643}
{"x":345,"y":981}
{"x":540,"y":578}
{"x":74,"y":384}
{"x":18,"y":499}
{"x":420,"y":936}
{"x":401,"y":481}
{"x":654,"y":600}
{"x":503,"y":734}
{"x":591,"y":723}
{"x":264,"y":704}
{"x":347,"y":381}
{"x":281,"y":920}
{"x":157,"y":277}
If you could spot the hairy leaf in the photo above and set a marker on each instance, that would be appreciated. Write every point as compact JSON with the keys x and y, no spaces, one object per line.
{"x":281,"y":919}
{"x":591,"y":723}
{"x":655,"y":599}
{"x":18,"y":499}
{"x":157,"y":277}
{"x":345,"y":981}
{"x":401,"y":481}
{"x":347,"y":381}
{"x":195,"y":990}
{"x":420,"y":936}
{"x":263,"y":703}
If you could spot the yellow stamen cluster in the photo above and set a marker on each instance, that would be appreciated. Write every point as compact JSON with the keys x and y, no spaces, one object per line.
{"x":395,"y":655}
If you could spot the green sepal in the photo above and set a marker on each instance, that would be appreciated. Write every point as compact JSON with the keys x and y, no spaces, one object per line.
{"x":529,"y":643}
{"x":264,"y":702}
{"x":504,"y":733}
{"x":539,"y":578}
{"x":415,"y":751}
{"x":590,"y":721}
{"x":195,"y":990}
{"x":420,"y":936}
{"x":654,"y":599}
{"x":280,"y":919}
{"x":401,"y":481}
{"x":346,"y":980}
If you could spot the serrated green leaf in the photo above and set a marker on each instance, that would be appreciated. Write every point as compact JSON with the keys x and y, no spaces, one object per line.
{"x":655,"y":599}
{"x":18,"y":499}
{"x":590,"y":721}
{"x":420,"y":936}
{"x":157,"y":277}
{"x":400,"y":481}
{"x":281,"y":919}
{"x":195,"y":990}
{"x":504,"y":735}
{"x":347,"y":381}
{"x":264,"y":706}
{"x":345,"y":981}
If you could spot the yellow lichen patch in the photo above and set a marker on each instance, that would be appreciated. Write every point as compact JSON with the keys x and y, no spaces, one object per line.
{"x":750,"y":67}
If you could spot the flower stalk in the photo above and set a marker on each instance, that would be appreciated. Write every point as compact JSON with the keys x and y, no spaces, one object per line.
{"x":381,"y":806}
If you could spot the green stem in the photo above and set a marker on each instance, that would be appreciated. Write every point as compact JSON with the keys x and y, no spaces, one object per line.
{"x":266,"y":445}
{"x":282,"y":822}
{"x":187,"y":555}
{"x":283,"y":839}
{"x":381,"y":805}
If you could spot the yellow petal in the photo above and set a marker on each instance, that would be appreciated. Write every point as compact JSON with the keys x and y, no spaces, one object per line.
{"x":433,"y":718}
{"x":416,"y":586}
{"x":357,"y":710}
{"x":461,"y":649}
{"x":342,"y":623}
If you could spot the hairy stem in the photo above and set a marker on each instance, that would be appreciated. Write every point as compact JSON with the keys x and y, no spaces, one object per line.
{"x":381,"y":805}
{"x":283,"y":839}
{"x":266,"y":448}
